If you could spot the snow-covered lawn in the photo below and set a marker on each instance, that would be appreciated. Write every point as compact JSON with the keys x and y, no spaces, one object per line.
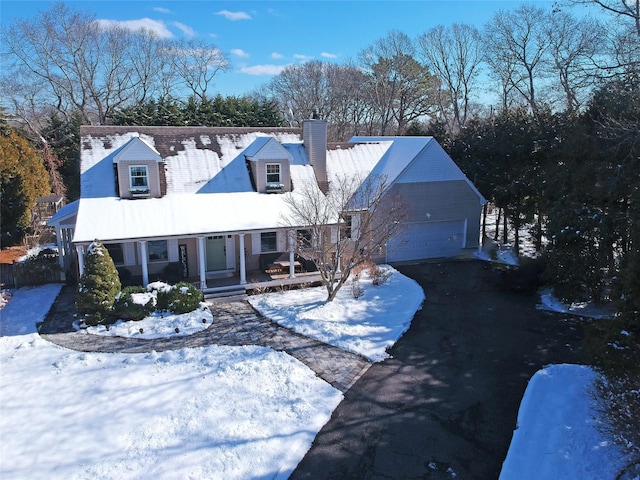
{"x":557,"y":435}
{"x":368,"y":325}
{"x":235,"y":412}
{"x":204,"y":413}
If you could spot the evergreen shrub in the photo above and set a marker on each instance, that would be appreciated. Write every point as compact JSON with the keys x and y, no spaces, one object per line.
{"x":125,"y":308}
{"x":180,"y":298}
{"x":99,"y":285}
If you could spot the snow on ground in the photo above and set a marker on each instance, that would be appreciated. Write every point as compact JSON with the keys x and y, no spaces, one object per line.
{"x":237,"y":412}
{"x":215,"y":412}
{"x":367,"y":325}
{"x":557,"y":435}
{"x":583,"y":309}
{"x":158,"y":325}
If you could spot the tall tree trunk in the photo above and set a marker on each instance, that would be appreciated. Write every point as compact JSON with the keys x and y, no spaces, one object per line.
{"x":484,"y":223}
{"x":505,"y":237}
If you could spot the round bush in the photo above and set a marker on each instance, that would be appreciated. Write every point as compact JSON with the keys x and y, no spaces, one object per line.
{"x":125,"y":308}
{"x":181,"y":298}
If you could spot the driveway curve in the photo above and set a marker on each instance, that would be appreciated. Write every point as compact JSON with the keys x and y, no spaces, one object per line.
{"x":445,"y":405}
{"x":235,"y":324}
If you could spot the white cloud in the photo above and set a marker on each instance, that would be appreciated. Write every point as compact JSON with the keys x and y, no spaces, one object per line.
{"x":161,"y":10}
{"x":260,"y":70}
{"x":186,"y":29}
{"x":234,"y":15}
{"x":328,"y":55}
{"x":277,"y":56}
{"x":304,"y":58}
{"x":238,"y":52}
{"x":156,"y":26}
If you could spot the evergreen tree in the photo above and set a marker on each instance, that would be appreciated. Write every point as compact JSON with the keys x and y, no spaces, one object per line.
{"x":63,"y":135}
{"x":99,"y":285}
{"x":217,"y":112}
{"x":23,"y":178}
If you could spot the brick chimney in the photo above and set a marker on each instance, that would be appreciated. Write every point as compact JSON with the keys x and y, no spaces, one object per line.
{"x":314,"y":136}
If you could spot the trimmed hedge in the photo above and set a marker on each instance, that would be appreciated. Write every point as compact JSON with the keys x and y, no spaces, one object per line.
{"x":125,"y":308}
{"x":179,"y":298}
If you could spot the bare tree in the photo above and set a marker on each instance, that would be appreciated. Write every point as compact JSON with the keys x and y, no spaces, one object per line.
{"x":79,"y":64}
{"x":573,"y":49}
{"x":454,"y":54}
{"x":302,"y":89}
{"x":195,"y":63}
{"x":334,"y":92}
{"x":402,"y":90}
{"x":347,"y":227}
{"x":516,"y":47}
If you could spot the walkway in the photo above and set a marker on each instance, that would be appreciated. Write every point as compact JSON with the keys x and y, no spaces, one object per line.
{"x":235,"y":324}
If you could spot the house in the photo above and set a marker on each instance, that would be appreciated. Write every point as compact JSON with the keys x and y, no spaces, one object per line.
{"x":212,"y":199}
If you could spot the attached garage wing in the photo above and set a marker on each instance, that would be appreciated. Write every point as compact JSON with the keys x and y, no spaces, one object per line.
{"x":422,"y":240}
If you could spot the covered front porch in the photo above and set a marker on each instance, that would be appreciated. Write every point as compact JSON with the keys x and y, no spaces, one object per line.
{"x":217,"y":264}
{"x":258,"y":280}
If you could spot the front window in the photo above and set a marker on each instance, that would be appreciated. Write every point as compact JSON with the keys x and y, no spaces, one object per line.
{"x":116,"y":253}
{"x":346,"y":228}
{"x":158,"y":251}
{"x":273,"y":173}
{"x":304,"y":238}
{"x":138,"y":178}
{"x":268,"y":242}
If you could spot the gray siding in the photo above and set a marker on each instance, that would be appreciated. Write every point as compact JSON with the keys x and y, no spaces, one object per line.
{"x":259,"y":172}
{"x":442,"y":201}
{"x":153,"y":173}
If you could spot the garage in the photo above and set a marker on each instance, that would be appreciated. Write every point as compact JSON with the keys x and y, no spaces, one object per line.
{"x":419,"y":240}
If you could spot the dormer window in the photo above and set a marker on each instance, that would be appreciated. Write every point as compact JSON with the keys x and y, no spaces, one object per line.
{"x":269,"y":163}
{"x":273,"y":173}
{"x":139,"y":170}
{"x":139,"y":179}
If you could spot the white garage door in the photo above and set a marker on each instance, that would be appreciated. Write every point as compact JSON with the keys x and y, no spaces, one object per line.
{"x":427,"y":240}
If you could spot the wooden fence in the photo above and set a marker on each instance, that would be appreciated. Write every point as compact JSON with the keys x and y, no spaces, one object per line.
{"x":28,"y":274}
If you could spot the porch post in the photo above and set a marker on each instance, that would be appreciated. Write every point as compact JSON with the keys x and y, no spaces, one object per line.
{"x":80,"y":250}
{"x":143,"y":261}
{"x":464,"y":238}
{"x":62,"y":251}
{"x":202,"y":266}
{"x":243,"y":266}
{"x":292,"y":254}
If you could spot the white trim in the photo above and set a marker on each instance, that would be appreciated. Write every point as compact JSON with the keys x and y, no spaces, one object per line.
{"x":230,"y":251}
{"x":137,"y":188}
{"x":266,"y":172}
{"x":143,"y":260}
{"x":243,"y":266}
{"x":202,"y":265}
{"x":173,"y":252}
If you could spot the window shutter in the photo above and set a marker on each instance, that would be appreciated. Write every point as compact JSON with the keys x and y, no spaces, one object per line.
{"x":172,"y":246}
{"x":129,"y":253}
{"x":255,"y":243}
{"x":281,"y":237}
{"x":355,"y":227}
{"x":334,"y":234}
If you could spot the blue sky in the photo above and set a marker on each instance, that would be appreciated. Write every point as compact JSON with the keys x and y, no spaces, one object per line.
{"x":262,"y":37}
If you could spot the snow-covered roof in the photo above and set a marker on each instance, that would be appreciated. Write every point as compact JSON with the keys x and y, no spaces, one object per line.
{"x":65,"y":213}
{"x":137,"y":149}
{"x":398,"y":163}
{"x":207,"y":185}
{"x":208,"y":188}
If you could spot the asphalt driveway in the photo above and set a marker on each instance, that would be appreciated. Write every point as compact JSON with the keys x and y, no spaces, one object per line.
{"x":445,"y":405}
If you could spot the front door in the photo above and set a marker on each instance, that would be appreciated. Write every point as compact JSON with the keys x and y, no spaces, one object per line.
{"x":216,"y":253}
